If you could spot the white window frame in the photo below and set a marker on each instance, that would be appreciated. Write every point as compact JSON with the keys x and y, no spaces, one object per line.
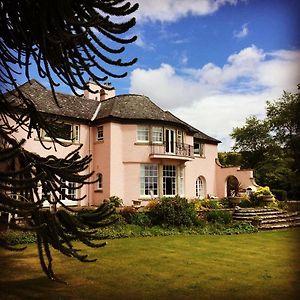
{"x":199,"y":153}
{"x":74,"y":134}
{"x":99,"y":183}
{"x":67,"y":191}
{"x":170,"y":171}
{"x":143,"y":134}
{"x":157,"y":133}
{"x":100,"y":133}
{"x":148,"y":178}
{"x":181,"y":190}
{"x":200,"y":187}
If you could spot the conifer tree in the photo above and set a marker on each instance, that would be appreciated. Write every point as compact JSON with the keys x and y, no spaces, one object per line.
{"x":67,"y":41}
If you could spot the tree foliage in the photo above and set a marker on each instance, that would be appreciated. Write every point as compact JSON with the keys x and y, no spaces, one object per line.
{"x":272,"y":146}
{"x":67,"y":41}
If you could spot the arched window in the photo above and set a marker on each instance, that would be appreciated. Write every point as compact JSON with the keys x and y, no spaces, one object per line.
{"x":200,"y":187}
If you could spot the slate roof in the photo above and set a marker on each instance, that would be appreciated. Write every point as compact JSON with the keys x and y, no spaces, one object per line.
{"x":124,"y":108}
{"x":206,"y":138}
{"x":70,"y":106}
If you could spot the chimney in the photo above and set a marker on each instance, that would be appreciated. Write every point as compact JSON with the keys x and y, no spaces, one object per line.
{"x":102,"y":94}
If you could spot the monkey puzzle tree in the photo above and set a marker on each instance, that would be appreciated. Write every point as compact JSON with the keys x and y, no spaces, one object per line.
{"x":67,"y":41}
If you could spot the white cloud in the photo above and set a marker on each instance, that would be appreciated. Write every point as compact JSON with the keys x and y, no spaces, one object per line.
{"x":243,"y":32}
{"x":172,"y":10}
{"x":215,"y":98}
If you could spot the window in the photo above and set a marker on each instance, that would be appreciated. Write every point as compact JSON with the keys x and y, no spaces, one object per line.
{"x":181,"y":182}
{"x":64,"y":131}
{"x":169,"y":180}
{"x":199,"y":149}
{"x":157,"y":135}
{"x":179,"y":136}
{"x":100,"y":136}
{"x":148,"y":180}
{"x":99,"y":182}
{"x":68,"y":190}
{"x":200,"y":188}
{"x":143,"y":134}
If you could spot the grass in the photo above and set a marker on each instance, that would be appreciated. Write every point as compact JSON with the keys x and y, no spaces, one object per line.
{"x":263,"y":265}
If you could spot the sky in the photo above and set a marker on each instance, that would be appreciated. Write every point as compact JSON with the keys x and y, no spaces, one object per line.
{"x":213,"y":63}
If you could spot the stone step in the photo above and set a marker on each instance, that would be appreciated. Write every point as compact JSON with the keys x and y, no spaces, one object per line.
{"x":281,"y":220}
{"x":259,"y":213}
{"x":278,"y":226}
{"x":255,"y":210}
{"x":265,"y":217}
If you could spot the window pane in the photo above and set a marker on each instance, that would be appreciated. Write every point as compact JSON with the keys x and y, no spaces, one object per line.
{"x":157,"y":134}
{"x":149,"y":180}
{"x":143,"y":134}
{"x":100,"y":133}
{"x":169,"y":180}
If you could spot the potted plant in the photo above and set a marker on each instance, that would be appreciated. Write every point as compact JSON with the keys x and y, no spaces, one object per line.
{"x":263,"y":195}
{"x":235,"y":194}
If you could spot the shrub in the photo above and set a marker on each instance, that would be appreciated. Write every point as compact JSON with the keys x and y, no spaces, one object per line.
{"x":219,"y":216}
{"x":245,"y":203}
{"x":116,"y":201}
{"x":15,"y":237}
{"x":173,"y":212}
{"x":258,"y":196}
{"x":140,"y":218}
{"x":206,"y":204}
{"x":126,"y":213}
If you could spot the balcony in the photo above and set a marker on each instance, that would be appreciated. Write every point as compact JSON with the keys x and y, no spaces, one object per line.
{"x":172,"y":151}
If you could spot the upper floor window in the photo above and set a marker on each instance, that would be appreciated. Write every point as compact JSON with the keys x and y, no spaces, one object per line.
{"x":179,"y":136}
{"x":157,"y":135}
{"x":143,"y":134}
{"x":100,"y":136}
{"x":199,"y":149}
{"x":99,"y":181}
{"x":64,"y":131}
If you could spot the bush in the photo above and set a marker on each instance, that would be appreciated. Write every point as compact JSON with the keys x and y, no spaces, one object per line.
{"x":206,"y":204}
{"x":258,"y":196}
{"x":115,"y":201}
{"x":245,"y":203}
{"x":219,"y":216}
{"x":127,"y":212}
{"x":15,"y":237}
{"x":280,"y":195}
{"x":173,"y":212}
{"x":140,"y":218}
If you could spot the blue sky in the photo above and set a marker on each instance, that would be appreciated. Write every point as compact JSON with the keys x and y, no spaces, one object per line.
{"x":214,"y":62}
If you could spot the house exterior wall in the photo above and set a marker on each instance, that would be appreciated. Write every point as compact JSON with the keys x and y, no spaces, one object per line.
{"x":32,"y":144}
{"x":119,"y":156}
{"x":204,"y":167}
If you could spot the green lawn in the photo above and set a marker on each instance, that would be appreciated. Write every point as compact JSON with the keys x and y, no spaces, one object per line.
{"x":263,"y":265}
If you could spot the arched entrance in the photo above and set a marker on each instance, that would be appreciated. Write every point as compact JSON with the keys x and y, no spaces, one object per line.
{"x":232,"y":186}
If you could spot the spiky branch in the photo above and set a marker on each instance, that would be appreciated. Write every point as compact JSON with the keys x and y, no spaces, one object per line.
{"x":67,"y":41}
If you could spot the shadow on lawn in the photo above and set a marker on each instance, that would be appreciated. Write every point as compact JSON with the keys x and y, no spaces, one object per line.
{"x":36,"y":288}
{"x":17,"y":280}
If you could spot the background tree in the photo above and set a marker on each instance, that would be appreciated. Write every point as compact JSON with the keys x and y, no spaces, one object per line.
{"x":68,"y":41}
{"x":272,"y":146}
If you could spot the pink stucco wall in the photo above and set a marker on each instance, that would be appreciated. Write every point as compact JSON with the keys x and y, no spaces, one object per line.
{"x":119,"y":157}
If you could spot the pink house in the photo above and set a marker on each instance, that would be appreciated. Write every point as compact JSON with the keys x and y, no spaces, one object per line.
{"x":139,"y":151}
